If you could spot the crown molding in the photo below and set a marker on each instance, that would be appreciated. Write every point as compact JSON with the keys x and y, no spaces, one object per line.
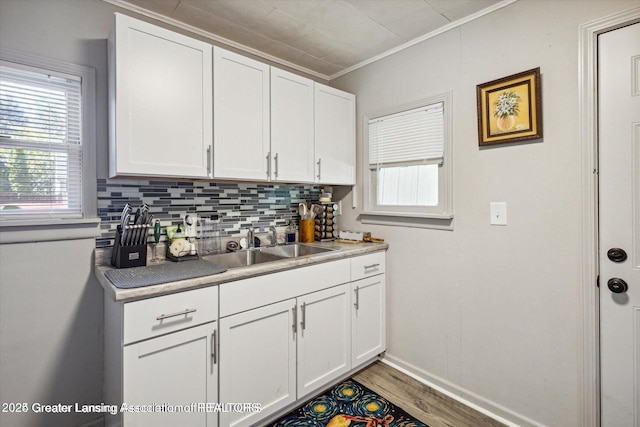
{"x":241,"y":47}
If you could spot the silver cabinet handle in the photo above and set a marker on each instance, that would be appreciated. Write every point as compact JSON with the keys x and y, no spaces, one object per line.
{"x":214,"y":348}
{"x":180,"y":313}
{"x":269,"y":164}
{"x":275,"y":159}
{"x":357,"y":303}
{"x":295,"y":319}
{"x":367,"y":267}
{"x":319,"y":166}
{"x":304,"y":316}
{"x":209,"y":160}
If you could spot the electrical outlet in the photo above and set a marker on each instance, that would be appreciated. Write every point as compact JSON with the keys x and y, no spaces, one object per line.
{"x":498,"y":213}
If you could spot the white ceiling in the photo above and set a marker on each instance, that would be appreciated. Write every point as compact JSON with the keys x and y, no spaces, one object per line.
{"x":325,"y":38}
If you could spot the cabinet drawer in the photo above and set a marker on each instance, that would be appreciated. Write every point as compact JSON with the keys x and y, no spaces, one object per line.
{"x":368,"y":265}
{"x":247,"y":294}
{"x":158,"y":316}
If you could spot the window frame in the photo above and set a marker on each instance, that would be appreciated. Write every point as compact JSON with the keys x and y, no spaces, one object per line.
{"x":440,"y":216}
{"x":88,"y":100}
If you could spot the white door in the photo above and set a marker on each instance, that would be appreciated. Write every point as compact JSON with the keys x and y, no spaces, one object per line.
{"x":176,"y":369}
{"x":324,"y":337}
{"x":160,"y":101}
{"x":619,"y":145}
{"x":258,"y":361}
{"x":335,"y":136}
{"x":368,"y":324}
{"x":291,"y":127}
{"x":240,"y":116}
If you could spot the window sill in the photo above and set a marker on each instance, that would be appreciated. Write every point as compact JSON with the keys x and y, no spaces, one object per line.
{"x":25,"y":231}
{"x":402,"y":219}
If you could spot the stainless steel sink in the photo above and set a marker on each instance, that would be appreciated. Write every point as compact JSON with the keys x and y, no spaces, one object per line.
{"x":295,"y":250}
{"x":242,"y":258}
{"x":262,"y":255}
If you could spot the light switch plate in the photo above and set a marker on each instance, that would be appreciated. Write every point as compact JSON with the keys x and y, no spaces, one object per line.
{"x":498,"y":213}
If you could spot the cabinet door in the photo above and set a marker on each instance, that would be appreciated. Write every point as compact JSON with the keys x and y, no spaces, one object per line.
{"x":335,"y":136}
{"x":177,"y":369}
{"x":324,"y":350}
{"x":241,"y":116}
{"x":160,"y":101}
{"x":291,"y":127}
{"x":368,"y":319}
{"x":258,"y":361}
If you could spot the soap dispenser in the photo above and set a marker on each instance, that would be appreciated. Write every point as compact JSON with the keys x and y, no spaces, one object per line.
{"x":290,"y":233}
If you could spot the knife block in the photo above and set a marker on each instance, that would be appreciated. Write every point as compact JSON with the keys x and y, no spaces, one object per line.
{"x":127,"y":256}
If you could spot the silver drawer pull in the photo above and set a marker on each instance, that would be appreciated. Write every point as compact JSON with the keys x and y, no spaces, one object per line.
{"x":180,"y":313}
{"x":366,"y":267}
{"x":214,"y":349}
{"x":295,"y":320}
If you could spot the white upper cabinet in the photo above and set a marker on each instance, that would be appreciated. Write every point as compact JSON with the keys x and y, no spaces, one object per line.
{"x":160,"y":101}
{"x":292,"y":147}
{"x":179,"y":107}
{"x":241,"y":117}
{"x":335,"y":136}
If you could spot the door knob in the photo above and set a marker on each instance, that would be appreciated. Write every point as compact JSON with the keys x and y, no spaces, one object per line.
{"x":617,"y":286}
{"x":617,"y":255}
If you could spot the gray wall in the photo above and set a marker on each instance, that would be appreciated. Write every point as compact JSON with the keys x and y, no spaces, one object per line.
{"x":492,"y":314}
{"x":50,"y":330}
{"x":51,"y":348}
{"x":50,"y":304}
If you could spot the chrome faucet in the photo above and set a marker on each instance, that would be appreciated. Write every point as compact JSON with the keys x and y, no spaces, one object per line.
{"x":250,"y":238}
{"x":274,"y":236}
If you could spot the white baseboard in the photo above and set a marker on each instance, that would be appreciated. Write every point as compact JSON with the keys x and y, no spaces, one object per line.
{"x":472,"y":400}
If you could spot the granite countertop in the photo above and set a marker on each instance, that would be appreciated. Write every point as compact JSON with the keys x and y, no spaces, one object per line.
{"x":343,"y":250}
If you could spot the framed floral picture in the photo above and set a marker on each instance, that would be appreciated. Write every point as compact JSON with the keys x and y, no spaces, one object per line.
{"x":510,"y":108}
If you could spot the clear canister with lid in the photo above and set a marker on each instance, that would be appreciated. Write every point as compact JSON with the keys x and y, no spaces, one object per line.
{"x":209,"y":241}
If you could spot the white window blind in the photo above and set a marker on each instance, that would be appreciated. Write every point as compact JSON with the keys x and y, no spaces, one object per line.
{"x":40,"y":142}
{"x":410,"y":137}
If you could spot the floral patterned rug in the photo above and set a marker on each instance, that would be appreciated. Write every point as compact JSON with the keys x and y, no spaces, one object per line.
{"x":349,"y":404}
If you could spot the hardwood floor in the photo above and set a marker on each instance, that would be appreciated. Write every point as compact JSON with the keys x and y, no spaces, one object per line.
{"x":419,"y":400}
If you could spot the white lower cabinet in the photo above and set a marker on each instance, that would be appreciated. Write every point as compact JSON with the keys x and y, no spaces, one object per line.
{"x":271,"y":340}
{"x":175,"y":369}
{"x":162,"y":351}
{"x":368,"y":319}
{"x":258,"y":361}
{"x":263,"y":351}
{"x":324,"y":349}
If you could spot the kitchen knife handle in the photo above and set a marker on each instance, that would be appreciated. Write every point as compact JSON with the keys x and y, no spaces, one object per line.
{"x":157,"y":231}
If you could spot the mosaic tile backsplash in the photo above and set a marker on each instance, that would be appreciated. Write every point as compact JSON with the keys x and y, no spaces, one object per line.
{"x":238,"y":205}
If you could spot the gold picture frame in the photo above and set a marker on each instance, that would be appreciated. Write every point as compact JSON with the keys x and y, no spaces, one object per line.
{"x":510,"y":109}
